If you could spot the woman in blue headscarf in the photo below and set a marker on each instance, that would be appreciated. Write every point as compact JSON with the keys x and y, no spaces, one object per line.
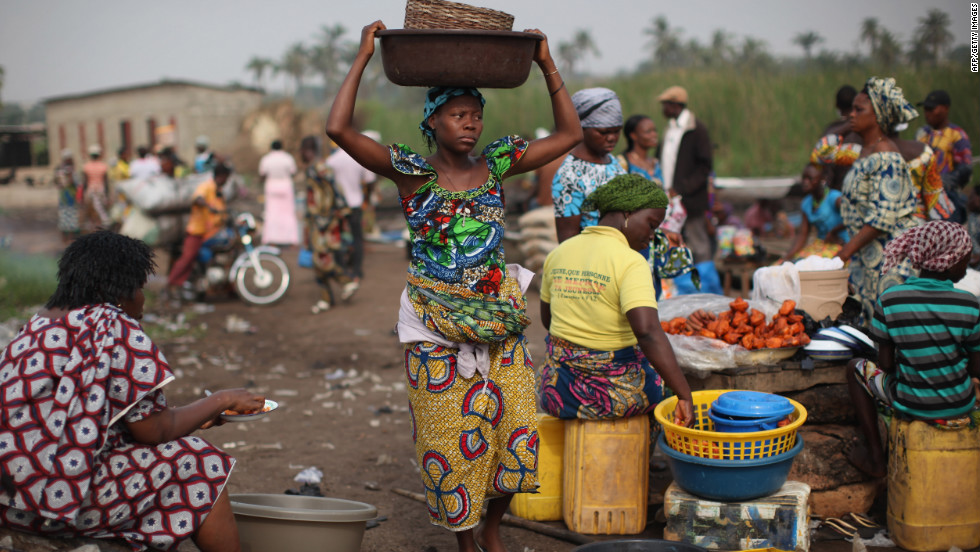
{"x":462,"y":315}
{"x":878,"y":197}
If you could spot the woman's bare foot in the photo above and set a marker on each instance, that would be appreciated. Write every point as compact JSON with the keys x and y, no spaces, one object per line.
{"x":861,"y":458}
{"x":489,"y":541}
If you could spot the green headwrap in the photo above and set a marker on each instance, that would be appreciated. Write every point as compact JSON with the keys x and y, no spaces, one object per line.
{"x":626,"y":193}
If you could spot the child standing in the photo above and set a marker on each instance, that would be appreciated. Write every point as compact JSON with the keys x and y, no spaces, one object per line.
{"x":928,"y":336}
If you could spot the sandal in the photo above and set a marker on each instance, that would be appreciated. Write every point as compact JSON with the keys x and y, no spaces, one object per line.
{"x":862,"y":519}
{"x":865,"y":527}
{"x":841,"y":528}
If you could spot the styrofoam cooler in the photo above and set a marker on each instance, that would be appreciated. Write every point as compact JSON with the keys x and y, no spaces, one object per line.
{"x":780,"y":521}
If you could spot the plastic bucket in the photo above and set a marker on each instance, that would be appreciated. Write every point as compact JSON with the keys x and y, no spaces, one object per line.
{"x":822,"y":292}
{"x":933,"y":483}
{"x":639,"y":545}
{"x":300,"y":523}
{"x":545,"y":505}
{"x":606,"y":472}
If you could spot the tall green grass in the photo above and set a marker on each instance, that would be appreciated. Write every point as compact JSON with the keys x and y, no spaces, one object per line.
{"x":763,"y":124}
{"x":25,"y":281}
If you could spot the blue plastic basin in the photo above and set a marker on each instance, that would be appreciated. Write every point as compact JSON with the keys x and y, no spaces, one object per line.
{"x":730,"y":480}
{"x":732,"y":424}
{"x":752,"y":404}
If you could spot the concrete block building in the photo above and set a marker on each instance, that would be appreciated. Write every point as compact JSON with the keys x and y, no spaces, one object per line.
{"x":171,"y":112}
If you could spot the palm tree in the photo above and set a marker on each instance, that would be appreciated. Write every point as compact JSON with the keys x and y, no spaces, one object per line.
{"x":889,"y":50}
{"x":807,"y":41}
{"x":572,"y":52}
{"x":295,"y":63}
{"x":933,"y":32}
{"x":869,"y":33}
{"x":722,"y":49}
{"x":258,"y":65}
{"x":754,"y":54}
{"x":665,"y":41}
{"x":327,"y":56}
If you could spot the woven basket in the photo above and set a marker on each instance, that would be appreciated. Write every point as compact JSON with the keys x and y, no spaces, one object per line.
{"x":440,"y":14}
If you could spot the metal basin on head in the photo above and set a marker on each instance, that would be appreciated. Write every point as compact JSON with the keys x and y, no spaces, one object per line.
{"x":456,"y":57}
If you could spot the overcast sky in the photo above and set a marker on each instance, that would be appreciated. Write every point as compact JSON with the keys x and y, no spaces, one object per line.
{"x":56,"y":47}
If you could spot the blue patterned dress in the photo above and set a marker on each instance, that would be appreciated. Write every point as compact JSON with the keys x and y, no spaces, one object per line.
{"x":474,"y":438}
{"x":575,"y":180}
{"x":878,"y":192}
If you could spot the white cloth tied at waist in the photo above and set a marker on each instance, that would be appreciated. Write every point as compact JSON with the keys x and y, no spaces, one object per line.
{"x":473,"y":357}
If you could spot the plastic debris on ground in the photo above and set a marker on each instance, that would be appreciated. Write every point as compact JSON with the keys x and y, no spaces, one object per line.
{"x":309,"y":475}
{"x":237,"y":324}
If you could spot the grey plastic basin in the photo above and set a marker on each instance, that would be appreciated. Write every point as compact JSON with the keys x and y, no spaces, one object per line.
{"x":300,"y":523}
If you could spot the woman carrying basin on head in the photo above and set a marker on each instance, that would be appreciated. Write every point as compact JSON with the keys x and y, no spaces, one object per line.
{"x":462,"y":315}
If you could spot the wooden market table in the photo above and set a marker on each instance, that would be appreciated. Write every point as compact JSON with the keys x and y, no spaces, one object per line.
{"x":783,"y":377}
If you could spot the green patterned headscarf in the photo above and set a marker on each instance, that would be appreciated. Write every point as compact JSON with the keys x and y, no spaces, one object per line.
{"x":889,"y":103}
{"x":626,"y":193}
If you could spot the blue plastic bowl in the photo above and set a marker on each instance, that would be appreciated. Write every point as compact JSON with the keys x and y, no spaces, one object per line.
{"x":751,"y":404}
{"x":733,"y":424}
{"x":730,"y":480}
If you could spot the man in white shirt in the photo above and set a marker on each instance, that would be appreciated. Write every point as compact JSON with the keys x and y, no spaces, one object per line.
{"x":686,"y":163}
{"x":145,"y":165}
{"x":352,"y":179}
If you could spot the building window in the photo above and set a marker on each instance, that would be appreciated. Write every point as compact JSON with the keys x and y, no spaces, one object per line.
{"x":82,"y":144}
{"x":151,"y":131}
{"x":126,"y":136}
{"x":100,"y":135}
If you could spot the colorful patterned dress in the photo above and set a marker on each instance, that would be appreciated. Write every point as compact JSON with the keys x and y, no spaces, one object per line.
{"x":326,"y":213}
{"x":475,"y":438}
{"x":878,"y":192}
{"x":68,"y":385}
{"x":67,"y":182}
{"x":575,"y":180}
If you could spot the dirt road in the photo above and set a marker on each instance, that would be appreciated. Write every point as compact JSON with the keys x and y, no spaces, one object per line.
{"x":339,"y":380}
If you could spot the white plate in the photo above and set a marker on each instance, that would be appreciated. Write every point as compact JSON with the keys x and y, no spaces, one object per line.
{"x":826,"y":346}
{"x":858,"y":334}
{"x":831,"y":355}
{"x":269,"y":404}
{"x":838,"y":335}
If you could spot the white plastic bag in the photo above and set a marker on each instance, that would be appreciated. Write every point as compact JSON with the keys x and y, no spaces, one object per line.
{"x":776,"y":283}
{"x":138,"y":225}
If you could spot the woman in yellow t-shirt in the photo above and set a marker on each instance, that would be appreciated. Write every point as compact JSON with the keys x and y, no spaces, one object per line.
{"x":600,"y":308}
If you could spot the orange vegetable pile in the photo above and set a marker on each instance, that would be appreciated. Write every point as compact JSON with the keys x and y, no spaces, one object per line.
{"x":740,"y":326}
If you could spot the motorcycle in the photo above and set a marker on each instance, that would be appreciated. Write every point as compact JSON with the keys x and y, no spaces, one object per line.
{"x":230,"y":260}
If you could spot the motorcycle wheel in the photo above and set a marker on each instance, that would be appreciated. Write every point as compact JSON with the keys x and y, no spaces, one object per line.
{"x":263,"y":291}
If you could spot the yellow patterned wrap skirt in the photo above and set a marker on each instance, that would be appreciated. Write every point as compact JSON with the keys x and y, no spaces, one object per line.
{"x":474,"y":439}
